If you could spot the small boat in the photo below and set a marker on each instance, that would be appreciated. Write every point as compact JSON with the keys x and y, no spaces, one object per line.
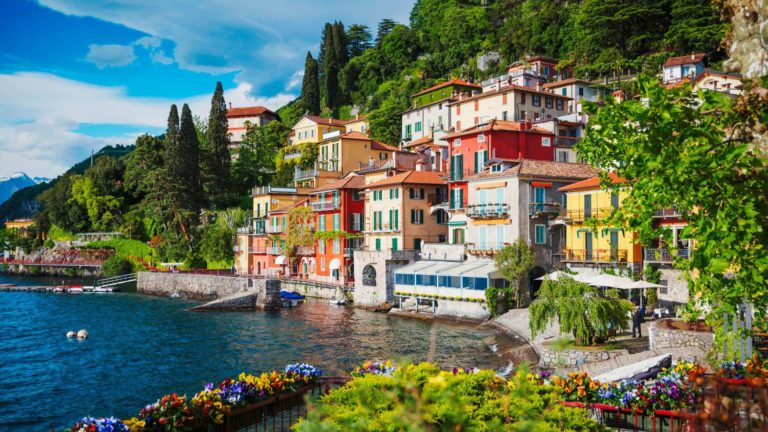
{"x":337,"y":301}
{"x":75,"y":290}
{"x":101,"y":290}
{"x":70,"y":289}
{"x":288,"y":295}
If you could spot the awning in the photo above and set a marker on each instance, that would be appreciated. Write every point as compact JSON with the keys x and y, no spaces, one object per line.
{"x":457,"y":223}
{"x":581,"y":230}
{"x":477,"y":268}
{"x":335,"y":264}
{"x":612,"y":229}
{"x":491,"y":185}
{"x":281,"y":260}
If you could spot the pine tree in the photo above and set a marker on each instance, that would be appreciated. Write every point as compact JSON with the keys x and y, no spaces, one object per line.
{"x":310,"y":87}
{"x":358,"y":39}
{"x":340,"y":44}
{"x":172,"y":130}
{"x":217,"y":157}
{"x":385,"y":26}
{"x":695,"y":26}
{"x":189,"y":164}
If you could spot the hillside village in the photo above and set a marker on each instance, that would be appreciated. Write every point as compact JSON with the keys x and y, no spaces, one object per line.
{"x":478,"y":166}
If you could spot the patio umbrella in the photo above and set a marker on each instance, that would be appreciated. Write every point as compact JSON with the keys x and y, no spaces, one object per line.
{"x":557,"y":275}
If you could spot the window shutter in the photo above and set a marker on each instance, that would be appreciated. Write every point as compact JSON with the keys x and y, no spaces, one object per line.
{"x":422,"y":193}
{"x":476,"y":162}
{"x":461,"y":198}
{"x":413,"y":215}
{"x":421,"y":216}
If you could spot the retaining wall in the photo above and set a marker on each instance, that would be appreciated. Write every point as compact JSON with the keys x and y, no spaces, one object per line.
{"x":661,"y":338}
{"x":311,"y":290}
{"x":550,"y":358}
{"x":192,"y":286}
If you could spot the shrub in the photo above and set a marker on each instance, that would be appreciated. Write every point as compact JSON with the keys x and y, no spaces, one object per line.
{"x":116,"y":266}
{"x":422,"y":398}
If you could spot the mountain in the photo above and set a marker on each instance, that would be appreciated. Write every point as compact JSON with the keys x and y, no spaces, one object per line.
{"x":22,"y":202}
{"x":9,"y":185}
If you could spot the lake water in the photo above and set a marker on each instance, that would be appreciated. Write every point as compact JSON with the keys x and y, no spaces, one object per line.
{"x":141,"y":348}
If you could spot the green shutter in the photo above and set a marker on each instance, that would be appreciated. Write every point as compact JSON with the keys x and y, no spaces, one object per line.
{"x":394,"y":244}
{"x":397,"y":219}
{"x":476,"y":161}
{"x":421,"y":216}
{"x":461,"y":198}
{"x":378,"y":244}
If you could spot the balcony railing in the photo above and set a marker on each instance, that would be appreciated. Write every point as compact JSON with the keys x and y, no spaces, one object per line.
{"x":261,"y":250}
{"x":664,"y":255}
{"x":670,"y":212}
{"x":304,"y":173}
{"x":305,"y":250}
{"x":274,"y":229}
{"x":535,"y":209}
{"x":263,"y":190}
{"x":595,"y":255}
{"x":374,"y":165}
{"x":245,"y":230}
{"x":594,"y":213}
{"x":328,"y":165}
{"x":487,"y":211}
{"x":485,"y":247}
{"x":383,"y":228}
{"x":274,"y":251}
{"x":460,"y":175}
{"x":292,"y":155}
{"x":437,"y":198}
{"x":326,"y":205}
{"x":565,"y":141}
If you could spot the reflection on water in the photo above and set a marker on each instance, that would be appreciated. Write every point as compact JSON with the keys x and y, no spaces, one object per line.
{"x":143,"y":347}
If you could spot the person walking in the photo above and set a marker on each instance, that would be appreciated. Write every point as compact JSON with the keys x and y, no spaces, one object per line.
{"x":637,"y":321}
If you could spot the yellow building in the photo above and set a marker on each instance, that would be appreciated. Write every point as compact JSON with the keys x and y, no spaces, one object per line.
{"x":397,"y":211}
{"x":589,"y":246}
{"x":19,"y":224}
{"x":314,"y":129}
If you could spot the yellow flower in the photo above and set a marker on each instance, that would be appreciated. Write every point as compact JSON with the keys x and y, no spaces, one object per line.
{"x":582,"y":392}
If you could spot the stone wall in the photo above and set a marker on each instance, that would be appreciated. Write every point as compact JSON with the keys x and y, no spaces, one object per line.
{"x":661,"y":338}
{"x":192,"y":286}
{"x":311,"y":290}
{"x":385,"y":263}
{"x":550,"y":358}
{"x":462,"y":309}
{"x":677,"y":288}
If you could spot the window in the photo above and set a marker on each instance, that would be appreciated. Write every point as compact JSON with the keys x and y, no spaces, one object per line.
{"x":522,"y":98}
{"x":457,"y":198}
{"x":356,"y":219}
{"x":548,"y":101}
{"x":378,"y":244}
{"x":457,"y":142}
{"x":614,"y":200}
{"x":564,"y":92}
{"x":258,"y":210}
{"x":356,"y":195}
{"x":541,"y":234}
{"x":480,"y":158}
{"x":562,"y":156}
{"x":539,"y":194}
{"x":417,"y":128}
{"x":665,"y":288}
{"x":369,"y":275}
{"x":559,"y":104}
{"x":394,"y":244}
{"x":536,"y":100}
{"x":321,"y":246}
{"x":504,"y":115}
{"x":481,"y":137}
{"x":417,"y":216}
{"x":546,"y":141}
{"x":496,"y":168}
{"x":313,"y":133}
{"x":321,"y":222}
{"x":477,"y":105}
{"x":336,"y":246}
{"x":581,"y":91}
{"x":336,"y":222}
{"x":442,"y":218}
{"x":322,"y":264}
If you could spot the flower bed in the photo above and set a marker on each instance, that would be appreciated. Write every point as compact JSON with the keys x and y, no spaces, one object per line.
{"x":208,"y":407}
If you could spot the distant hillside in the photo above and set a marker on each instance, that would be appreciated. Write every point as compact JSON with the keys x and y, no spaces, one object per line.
{"x":23,"y":202}
{"x":17,"y":181}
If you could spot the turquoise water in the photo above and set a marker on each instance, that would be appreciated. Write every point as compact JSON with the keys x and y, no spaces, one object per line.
{"x":142,"y":347}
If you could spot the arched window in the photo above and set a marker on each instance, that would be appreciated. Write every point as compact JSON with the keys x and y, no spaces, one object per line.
{"x":369,"y":275}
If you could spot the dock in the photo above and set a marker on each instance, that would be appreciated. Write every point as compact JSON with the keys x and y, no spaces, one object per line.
{"x":49,"y":289}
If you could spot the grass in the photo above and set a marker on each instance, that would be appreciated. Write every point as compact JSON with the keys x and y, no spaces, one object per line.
{"x":220,"y":265}
{"x":126,"y":248}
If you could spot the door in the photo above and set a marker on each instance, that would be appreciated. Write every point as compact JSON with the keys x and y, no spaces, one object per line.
{"x":587,"y":206}
{"x":614,"y":245}
{"x":417,"y":244}
{"x":458,"y":236}
{"x":588,"y":246}
{"x":258,"y":267}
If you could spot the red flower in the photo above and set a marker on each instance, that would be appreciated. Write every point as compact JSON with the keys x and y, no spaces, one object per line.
{"x":162,"y":420}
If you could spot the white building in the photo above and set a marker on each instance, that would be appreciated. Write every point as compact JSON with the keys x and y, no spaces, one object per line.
{"x":719,"y":81}
{"x":677,"y":68}
{"x":578,"y":90}
{"x":239,"y":118}
{"x":508,"y":104}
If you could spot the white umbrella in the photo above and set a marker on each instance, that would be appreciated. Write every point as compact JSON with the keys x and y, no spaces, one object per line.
{"x":644,"y":284}
{"x":558,"y":275}
{"x":610,"y":281}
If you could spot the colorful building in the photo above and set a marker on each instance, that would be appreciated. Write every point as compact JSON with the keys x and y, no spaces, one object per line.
{"x":313,"y":129}
{"x":429,"y":111}
{"x":590,"y":242}
{"x":397,"y":211}
{"x":724,"y":82}
{"x":239,"y":118}
{"x":339,"y":211}
{"x":578,"y":90}
{"x":511,"y":103}
{"x":282,"y":258}
{"x":678,"y":68}
{"x":662,"y":254}
{"x":531,"y":72}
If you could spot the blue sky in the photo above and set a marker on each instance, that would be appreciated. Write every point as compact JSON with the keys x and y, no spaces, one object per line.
{"x":76,"y":75}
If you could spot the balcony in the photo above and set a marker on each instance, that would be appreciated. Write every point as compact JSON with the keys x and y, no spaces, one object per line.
{"x":538,"y":209}
{"x":292,"y":154}
{"x":575,"y":216}
{"x":487,"y":211}
{"x":664,"y":255}
{"x":595,"y":255}
{"x":245,"y":230}
{"x":265,"y":190}
{"x":565,"y":141}
{"x":304,"y":173}
{"x":669,"y":212}
{"x":274,"y":229}
{"x":437,"y":199}
{"x":275,"y":251}
{"x":375,"y":165}
{"x":305,"y":250}
{"x":260,"y":250}
{"x":485,"y":248}
{"x":329,"y":164}
{"x":383,"y":228}
{"x":460,"y":175}
{"x":326,"y":205}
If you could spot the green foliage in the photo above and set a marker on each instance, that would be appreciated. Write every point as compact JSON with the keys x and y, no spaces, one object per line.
{"x":695,"y":26}
{"x":580,"y":309}
{"x":216,"y":243}
{"x":330,"y":235}
{"x":116,"y":266}
{"x":494,"y":294}
{"x":215,"y":155}
{"x":358,"y":39}
{"x":57,"y":233}
{"x":385,"y":122}
{"x":422,"y":398}
{"x":299,"y":233}
{"x":310,"y":87}
{"x":515,"y":261}
{"x":255,"y":164}
{"x":102,"y":209}
{"x":126,"y":248}
{"x":694,"y":154}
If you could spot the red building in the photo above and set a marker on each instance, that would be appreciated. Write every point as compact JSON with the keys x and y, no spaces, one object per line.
{"x":470,"y":149}
{"x":339,"y":210}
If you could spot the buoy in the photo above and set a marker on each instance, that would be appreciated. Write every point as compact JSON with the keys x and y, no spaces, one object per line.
{"x":82,"y":334}
{"x":71,"y":334}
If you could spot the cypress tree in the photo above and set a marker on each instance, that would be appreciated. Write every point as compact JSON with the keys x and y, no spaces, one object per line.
{"x":172,"y":130}
{"x":326,"y":46}
{"x":385,"y":27}
{"x":189,"y":160}
{"x":330,"y":82}
{"x":310,"y":87}
{"x":217,"y":157}
{"x":340,"y":44}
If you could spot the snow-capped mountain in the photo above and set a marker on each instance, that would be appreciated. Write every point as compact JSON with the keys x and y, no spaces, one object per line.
{"x":16,"y":181}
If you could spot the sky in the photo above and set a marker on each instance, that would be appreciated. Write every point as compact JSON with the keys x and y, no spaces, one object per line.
{"x":76,"y":75}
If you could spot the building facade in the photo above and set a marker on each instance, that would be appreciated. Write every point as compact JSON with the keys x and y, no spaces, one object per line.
{"x":578,"y":90}
{"x":512,"y":103}
{"x":678,"y":68}
{"x":429,"y":110}
{"x":238,"y":120}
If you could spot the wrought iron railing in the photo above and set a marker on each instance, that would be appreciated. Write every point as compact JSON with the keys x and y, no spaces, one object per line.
{"x":594,"y":213}
{"x":485,"y":247}
{"x":595,"y":255}
{"x":483,"y":211}
{"x":274,"y":229}
{"x":664,"y":255}
{"x":305,"y":250}
{"x":326,"y":205}
{"x":544,"y":208}
{"x":666,"y":213}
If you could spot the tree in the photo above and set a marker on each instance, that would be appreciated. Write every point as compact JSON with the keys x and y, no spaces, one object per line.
{"x":385,"y":123}
{"x":515,"y":261}
{"x":188,"y":161}
{"x":103,"y":209}
{"x":145,"y":159}
{"x":695,"y":26}
{"x":580,"y":309}
{"x":216,"y":154}
{"x":699,"y":154}
{"x":385,"y":26}
{"x":255,"y":165}
{"x":116,"y":266}
{"x":358,"y":39}
{"x":310,"y":86}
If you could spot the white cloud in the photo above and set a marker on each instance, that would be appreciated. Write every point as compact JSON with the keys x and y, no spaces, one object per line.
{"x":110,"y":55}
{"x":296,"y":79}
{"x":40,"y":114}
{"x":263,"y":41}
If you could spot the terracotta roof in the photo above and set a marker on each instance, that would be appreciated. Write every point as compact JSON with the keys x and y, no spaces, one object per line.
{"x":326,"y":121}
{"x":454,"y":81}
{"x":592,"y":183}
{"x":352,"y":181}
{"x":542,"y":168}
{"x":289,"y":206}
{"x":564,"y":82}
{"x":498,"y":125}
{"x":710,"y":72}
{"x":509,"y":88}
{"x":248,"y":111}
{"x":423,"y":140}
{"x":410,"y":177}
{"x":376,"y":145}
{"x":355,"y":120}
{"x":355,"y":135}
{"x":678,"y":83}
{"x":686,"y":59}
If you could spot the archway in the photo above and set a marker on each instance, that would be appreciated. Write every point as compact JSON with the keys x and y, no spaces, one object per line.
{"x":534,"y":284}
{"x":369,"y":275}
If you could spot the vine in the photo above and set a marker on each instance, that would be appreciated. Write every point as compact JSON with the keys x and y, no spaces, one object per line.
{"x":334,"y":234}
{"x":494,"y":294}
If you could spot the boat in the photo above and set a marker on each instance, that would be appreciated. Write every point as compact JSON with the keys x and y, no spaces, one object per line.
{"x":75,"y":290}
{"x":337,"y":301}
{"x":70,"y":289}
{"x":102,"y":290}
{"x":288,"y":295}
